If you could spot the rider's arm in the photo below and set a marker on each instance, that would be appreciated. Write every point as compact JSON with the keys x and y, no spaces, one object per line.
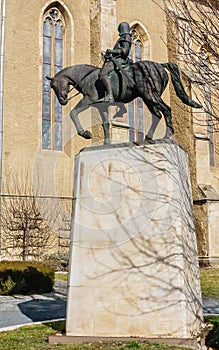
{"x":123,"y":51}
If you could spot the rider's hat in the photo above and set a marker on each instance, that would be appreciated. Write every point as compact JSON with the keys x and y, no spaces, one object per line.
{"x":123,"y":28}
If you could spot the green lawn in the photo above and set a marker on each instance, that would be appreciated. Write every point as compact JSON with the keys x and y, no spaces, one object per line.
{"x":210,"y":282}
{"x":62,"y":276}
{"x":35,"y":338}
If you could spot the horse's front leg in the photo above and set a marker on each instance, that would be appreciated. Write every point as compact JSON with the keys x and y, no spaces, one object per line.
{"x":106,"y":133}
{"x":80,"y":107}
{"x":103,"y":110}
{"x":121,"y":111}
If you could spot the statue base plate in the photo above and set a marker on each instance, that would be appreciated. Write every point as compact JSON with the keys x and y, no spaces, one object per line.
{"x":59,"y":338}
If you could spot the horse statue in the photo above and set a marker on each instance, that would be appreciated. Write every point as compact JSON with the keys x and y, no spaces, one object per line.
{"x":147,"y":80}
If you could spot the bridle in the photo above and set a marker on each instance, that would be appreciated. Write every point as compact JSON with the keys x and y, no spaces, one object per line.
{"x":74,"y":87}
{"x":68,"y":99}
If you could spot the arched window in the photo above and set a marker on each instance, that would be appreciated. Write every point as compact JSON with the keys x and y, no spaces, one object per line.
{"x":138,"y":52}
{"x":53,"y":38}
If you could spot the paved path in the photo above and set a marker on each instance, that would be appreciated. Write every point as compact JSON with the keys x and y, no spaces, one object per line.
{"x":210,"y":306}
{"x":21,"y":310}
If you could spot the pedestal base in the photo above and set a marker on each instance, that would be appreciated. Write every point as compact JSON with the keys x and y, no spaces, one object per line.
{"x":133,"y":266}
{"x":64,"y":339}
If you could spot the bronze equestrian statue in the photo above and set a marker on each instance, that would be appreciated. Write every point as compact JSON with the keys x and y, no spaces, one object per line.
{"x":145,"y":79}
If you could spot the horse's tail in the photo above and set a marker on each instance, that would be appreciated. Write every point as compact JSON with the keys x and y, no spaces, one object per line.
{"x":177,"y":84}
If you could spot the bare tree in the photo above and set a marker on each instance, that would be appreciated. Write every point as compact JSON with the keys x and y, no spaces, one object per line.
{"x":193,"y":42}
{"x":25,"y":232}
{"x":30,"y":225}
{"x":195,"y":33}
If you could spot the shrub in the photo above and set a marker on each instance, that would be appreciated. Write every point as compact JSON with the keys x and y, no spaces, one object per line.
{"x":7,"y":286}
{"x":59,"y":262}
{"x":212,"y":339}
{"x":25,"y":278}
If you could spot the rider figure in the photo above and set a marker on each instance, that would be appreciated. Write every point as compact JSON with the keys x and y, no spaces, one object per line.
{"x":116,"y":57}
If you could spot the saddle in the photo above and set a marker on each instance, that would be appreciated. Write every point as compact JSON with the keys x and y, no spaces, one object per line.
{"x":125,"y":74}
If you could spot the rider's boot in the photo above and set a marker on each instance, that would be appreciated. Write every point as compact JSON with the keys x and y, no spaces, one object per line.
{"x":107,"y":84}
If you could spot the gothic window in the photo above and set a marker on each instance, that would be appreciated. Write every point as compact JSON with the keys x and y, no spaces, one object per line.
{"x":53,"y":37}
{"x":136,"y":107}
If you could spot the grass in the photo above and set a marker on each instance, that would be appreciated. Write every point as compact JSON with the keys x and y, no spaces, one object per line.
{"x":61,"y":276}
{"x":210,"y":282}
{"x":35,"y":338}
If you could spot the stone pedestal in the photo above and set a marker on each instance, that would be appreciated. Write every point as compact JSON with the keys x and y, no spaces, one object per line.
{"x":133,"y":265}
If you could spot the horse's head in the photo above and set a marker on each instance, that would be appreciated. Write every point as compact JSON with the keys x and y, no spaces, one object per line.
{"x":60,"y":85}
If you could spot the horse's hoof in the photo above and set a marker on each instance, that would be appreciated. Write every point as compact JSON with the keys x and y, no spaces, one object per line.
{"x":106,"y":142}
{"x":169,"y":133}
{"x":148,"y":139}
{"x":109,"y":99}
{"x":85,"y":134}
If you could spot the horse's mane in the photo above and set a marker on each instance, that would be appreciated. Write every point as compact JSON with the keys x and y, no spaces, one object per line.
{"x":78,"y":67}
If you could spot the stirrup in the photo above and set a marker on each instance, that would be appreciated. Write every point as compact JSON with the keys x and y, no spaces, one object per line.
{"x":109,"y":99}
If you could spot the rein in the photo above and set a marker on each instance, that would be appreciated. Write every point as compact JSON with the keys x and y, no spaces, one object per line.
{"x":74,"y":87}
{"x":73,"y":95}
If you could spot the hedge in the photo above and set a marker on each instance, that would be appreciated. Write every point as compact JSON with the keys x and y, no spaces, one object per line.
{"x":18,"y":277}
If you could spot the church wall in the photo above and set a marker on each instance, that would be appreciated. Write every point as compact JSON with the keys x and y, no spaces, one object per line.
{"x":91,"y":27}
{"x":152,"y":18}
{"x":22,"y":84}
{"x":27,"y":168}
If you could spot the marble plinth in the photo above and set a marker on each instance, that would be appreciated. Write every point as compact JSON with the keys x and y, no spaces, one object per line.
{"x":133,"y":265}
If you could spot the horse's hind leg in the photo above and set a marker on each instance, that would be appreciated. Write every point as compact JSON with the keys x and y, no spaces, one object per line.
{"x":103,"y":110}
{"x":166,"y":111}
{"x":156,"y":117}
{"x":80,"y":107}
{"x":156,"y":107}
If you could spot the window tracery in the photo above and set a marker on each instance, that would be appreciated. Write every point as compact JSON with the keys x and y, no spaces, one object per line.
{"x":53,"y":47}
